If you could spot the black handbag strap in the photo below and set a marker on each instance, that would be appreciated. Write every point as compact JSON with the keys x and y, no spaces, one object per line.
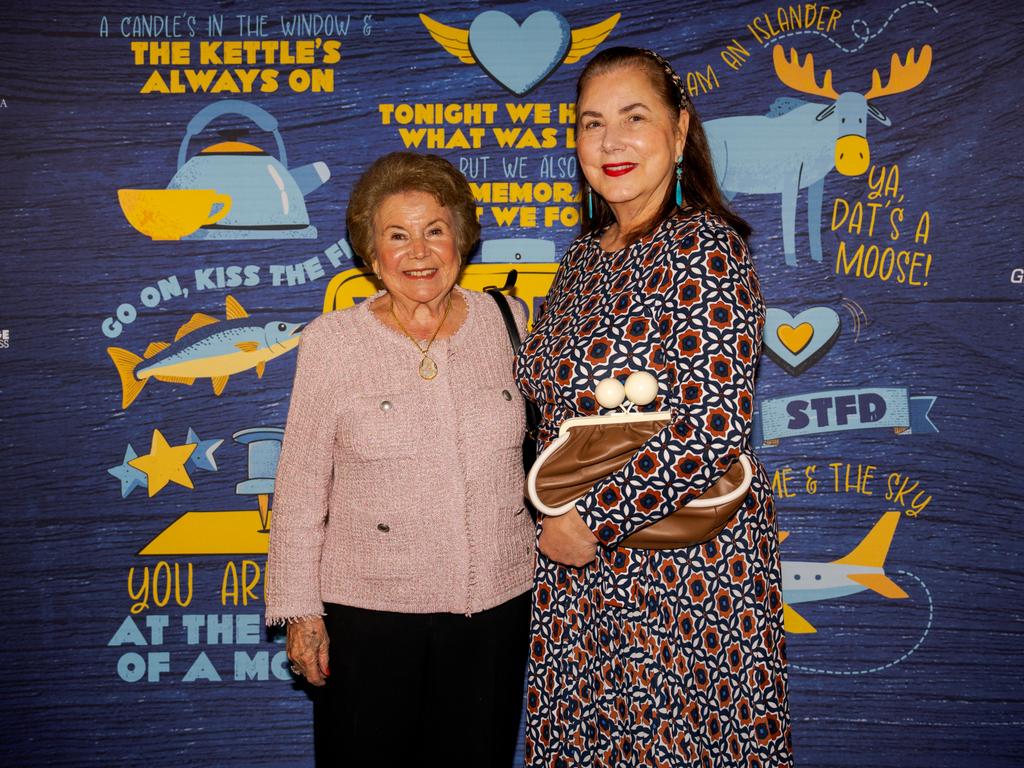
{"x":506,"y":311}
{"x":532,"y":414}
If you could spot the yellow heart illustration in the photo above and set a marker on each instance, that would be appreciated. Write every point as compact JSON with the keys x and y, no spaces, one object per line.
{"x":797,"y":338}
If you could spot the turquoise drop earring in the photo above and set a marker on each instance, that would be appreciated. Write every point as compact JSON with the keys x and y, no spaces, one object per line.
{"x":590,"y":203}
{"x":679,"y":181}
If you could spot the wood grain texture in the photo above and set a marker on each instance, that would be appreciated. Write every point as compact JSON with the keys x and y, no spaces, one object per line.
{"x":75,"y":129}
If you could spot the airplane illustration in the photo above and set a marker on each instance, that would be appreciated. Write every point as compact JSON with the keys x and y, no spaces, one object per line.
{"x":863,"y":568}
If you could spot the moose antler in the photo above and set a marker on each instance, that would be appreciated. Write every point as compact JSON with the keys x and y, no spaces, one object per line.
{"x":902,"y":77}
{"x":801,"y":78}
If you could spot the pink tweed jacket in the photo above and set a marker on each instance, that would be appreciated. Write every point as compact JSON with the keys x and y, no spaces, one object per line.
{"x":392,"y":492}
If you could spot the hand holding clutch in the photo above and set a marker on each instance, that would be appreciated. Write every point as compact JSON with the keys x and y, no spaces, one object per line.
{"x":590,"y":448}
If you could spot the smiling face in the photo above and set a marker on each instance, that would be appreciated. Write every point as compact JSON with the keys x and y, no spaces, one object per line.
{"x":628,"y":140}
{"x":415,"y":251}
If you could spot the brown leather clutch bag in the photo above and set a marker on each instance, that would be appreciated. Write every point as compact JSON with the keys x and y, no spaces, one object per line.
{"x":590,"y":448}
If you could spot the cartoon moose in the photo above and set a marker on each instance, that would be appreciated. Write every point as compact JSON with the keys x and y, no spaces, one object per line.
{"x":799,"y":142}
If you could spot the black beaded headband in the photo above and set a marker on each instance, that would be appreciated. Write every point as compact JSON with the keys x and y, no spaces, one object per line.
{"x":684,"y":98}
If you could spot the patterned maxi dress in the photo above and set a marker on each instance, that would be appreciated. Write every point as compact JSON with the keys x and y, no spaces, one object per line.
{"x":647,"y":657}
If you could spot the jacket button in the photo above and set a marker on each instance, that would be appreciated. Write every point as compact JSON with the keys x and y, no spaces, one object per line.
{"x":383,"y":527}
{"x":506,"y":394}
{"x":385,"y":405}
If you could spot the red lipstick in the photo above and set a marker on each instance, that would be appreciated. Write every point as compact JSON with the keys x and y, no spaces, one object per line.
{"x":617,"y":169}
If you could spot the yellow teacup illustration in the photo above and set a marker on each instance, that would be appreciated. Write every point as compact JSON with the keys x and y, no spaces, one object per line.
{"x":171,"y":214}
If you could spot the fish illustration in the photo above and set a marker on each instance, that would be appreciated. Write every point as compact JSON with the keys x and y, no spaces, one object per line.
{"x":206,"y":347}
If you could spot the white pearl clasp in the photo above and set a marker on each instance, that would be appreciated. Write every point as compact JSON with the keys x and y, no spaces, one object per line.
{"x":641,"y":388}
{"x":610,"y":393}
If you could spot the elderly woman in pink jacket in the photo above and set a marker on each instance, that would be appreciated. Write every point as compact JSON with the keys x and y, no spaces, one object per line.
{"x":400,"y":552}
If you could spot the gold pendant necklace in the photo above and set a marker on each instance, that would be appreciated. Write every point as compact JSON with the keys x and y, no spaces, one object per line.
{"x":428,"y":368}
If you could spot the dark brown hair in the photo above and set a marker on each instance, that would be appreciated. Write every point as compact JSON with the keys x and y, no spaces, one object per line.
{"x":699,"y":184}
{"x":399,"y":172}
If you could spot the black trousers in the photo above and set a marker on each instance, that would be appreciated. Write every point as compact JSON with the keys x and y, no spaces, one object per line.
{"x":410,"y":689}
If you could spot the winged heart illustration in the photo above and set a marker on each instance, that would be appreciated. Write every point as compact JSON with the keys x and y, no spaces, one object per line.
{"x":519,"y":56}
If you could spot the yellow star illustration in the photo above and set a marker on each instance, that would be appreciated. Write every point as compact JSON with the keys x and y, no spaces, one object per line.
{"x":164,"y":464}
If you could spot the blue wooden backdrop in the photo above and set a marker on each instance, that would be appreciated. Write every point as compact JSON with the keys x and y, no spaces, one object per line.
{"x":134,"y":620}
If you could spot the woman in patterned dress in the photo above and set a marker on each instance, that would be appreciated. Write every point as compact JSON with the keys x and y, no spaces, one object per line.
{"x":654,"y":657}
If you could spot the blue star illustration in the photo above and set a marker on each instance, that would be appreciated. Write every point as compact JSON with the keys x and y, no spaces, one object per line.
{"x":130,"y":477}
{"x":202,"y":456}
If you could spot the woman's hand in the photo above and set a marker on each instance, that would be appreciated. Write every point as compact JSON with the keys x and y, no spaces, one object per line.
{"x":307,"y":649}
{"x":567,"y":539}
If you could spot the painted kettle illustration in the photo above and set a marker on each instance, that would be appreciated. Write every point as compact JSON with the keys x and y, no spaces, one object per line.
{"x":267,"y":198}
